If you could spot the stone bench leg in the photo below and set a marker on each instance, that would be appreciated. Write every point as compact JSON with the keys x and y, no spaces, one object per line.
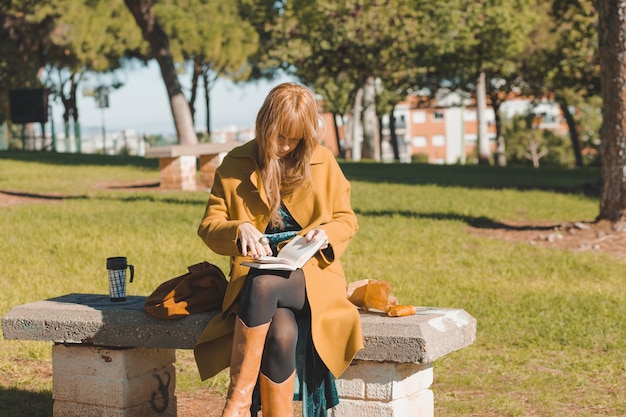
{"x":385,"y":389}
{"x":89,"y":381}
{"x":208,"y":165}
{"x":178,"y":173}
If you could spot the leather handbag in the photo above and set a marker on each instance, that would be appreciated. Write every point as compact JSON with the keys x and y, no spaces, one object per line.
{"x":201,"y":289}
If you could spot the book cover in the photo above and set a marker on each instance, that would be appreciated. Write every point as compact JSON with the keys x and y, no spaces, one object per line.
{"x":291,"y":257}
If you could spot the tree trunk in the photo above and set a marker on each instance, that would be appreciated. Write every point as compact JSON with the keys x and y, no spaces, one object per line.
{"x":70,"y":111}
{"x":340,"y":149}
{"x":484,"y":149}
{"x":534,"y":154}
{"x":157,"y":39}
{"x":612,"y":53}
{"x":573,"y":130}
{"x":74,"y":112}
{"x":69,"y":101}
{"x":393,"y":137}
{"x":195,"y":77}
{"x":371,"y":143}
{"x":381,"y":136}
{"x":207,"y":97}
{"x":500,"y":154}
{"x":357,"y":128}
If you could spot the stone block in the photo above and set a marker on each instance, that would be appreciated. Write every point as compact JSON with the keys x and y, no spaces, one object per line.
{"x":384,"y":381}
{"x":70,"y":409}
{"x":208,"y":165}
{"x":113,"y":392}
{"x":106,"y":362}
{"x":99,"y":381}
{"x":178,"y":173}
{"x":351,"y":384}
{"x":412,"y":379}
{"x":420,"y":405}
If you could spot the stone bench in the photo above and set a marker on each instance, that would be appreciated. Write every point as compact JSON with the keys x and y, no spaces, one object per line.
{"x":177,"y":163}
{"x":114,"y":360}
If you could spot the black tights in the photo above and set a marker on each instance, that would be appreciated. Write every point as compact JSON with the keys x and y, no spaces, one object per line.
{"x":279,"y":297}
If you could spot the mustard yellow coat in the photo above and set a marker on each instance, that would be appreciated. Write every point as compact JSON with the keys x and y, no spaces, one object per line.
{"x":238,"y":196}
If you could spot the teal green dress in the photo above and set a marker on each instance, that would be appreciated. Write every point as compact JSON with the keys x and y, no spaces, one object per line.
{"x":315,"y":384}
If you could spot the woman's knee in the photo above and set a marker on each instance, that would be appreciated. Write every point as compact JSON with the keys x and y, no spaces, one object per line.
{"x":282,"y":340}
{"x":282,"y":336}
{"x":261,"y":287}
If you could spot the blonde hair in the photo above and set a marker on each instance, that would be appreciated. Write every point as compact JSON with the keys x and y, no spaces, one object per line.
{"x":289,"y":110}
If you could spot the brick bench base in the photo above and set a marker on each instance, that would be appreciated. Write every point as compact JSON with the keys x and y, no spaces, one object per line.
{"x":94,"y":381}
{"x":385,"y":389}
{"x":177,"y":164}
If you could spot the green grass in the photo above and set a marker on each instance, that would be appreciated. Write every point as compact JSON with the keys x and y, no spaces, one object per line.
{"x":551,"y":339}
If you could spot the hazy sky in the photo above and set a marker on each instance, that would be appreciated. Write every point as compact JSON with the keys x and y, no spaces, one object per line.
{"x":142,"y":103}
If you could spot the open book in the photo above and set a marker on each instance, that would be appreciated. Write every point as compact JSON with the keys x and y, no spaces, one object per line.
{"x":291,"y":257}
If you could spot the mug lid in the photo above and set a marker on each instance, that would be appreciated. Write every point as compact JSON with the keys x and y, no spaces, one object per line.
{"x":116,"y":262}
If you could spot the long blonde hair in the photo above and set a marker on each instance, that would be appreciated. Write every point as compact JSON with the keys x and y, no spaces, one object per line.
{"x":289,"y":110}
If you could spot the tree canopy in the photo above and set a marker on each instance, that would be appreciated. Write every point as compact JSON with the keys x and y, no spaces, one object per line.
{"x":211,"y":38}
{"x":384,"y":49}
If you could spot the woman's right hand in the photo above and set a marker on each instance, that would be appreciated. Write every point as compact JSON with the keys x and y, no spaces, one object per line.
{"x":250,"y":242}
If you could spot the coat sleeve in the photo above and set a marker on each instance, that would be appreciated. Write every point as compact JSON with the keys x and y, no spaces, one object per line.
{"x":216,"y":229}
{"x":342,"y":225}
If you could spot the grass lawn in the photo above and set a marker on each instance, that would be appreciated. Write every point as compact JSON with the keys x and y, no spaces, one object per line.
{"x":551,"y":337}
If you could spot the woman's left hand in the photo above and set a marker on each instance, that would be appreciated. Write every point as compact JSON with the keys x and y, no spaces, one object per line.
{"x":317,"y":234}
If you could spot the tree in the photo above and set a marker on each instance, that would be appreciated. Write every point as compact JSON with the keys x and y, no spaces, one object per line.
{"x":563,"y":63}
{"x":612,"y":54}
{"x":575,"y":78}
{"x":58,"y":41}
{"x":212,"y":37}
{"x":87,"y":39}
{"x":156,"y":37}
{"x":263,"y":15}
{"x":25,"y":39}
{"x":487,"y":42}
{"x":355,"y":41}
{"x":337,"y":100}
{"x":386,"y":101}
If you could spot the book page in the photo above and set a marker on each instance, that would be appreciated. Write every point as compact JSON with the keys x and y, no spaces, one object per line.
{"x":292,"y":256}
{"x":273,"y":265}
{"x":298,"y":250}
{"x":272,"y":260}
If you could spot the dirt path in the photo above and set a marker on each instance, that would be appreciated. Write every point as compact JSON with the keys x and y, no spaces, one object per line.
{"x":580,"y":236}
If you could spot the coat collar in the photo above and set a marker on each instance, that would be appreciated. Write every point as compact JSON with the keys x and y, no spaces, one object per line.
{"x":249,"y":150}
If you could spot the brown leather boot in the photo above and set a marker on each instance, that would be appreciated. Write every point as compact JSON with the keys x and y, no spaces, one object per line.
{"x":245,"y":363}
{"x":277,"y":398}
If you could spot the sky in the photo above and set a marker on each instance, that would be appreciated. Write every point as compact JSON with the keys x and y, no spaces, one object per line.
{"x":142,"y":103}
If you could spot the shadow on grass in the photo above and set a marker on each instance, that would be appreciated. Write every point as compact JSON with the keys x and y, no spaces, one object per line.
{"x":481,"y":222}
{"x":150,"y":185}
{"x":31,"y":195}
{"x":128,"y":199}
{"x":585,"y":181}
{"x":47,"y":197}
{"x":15,"y":402}
{"x":54,"y":158}
{"x":152,"y":198}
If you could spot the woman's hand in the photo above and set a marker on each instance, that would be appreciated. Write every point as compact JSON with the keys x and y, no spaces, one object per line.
{"x":317,"y":234}
{"x":252,"y":242}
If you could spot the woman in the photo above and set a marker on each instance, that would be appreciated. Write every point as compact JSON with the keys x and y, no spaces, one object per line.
{"x":281,"y":184}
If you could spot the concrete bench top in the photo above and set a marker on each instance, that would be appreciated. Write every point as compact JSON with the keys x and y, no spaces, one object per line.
{"x":195,"y":150}
{"x":92,"y":319}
